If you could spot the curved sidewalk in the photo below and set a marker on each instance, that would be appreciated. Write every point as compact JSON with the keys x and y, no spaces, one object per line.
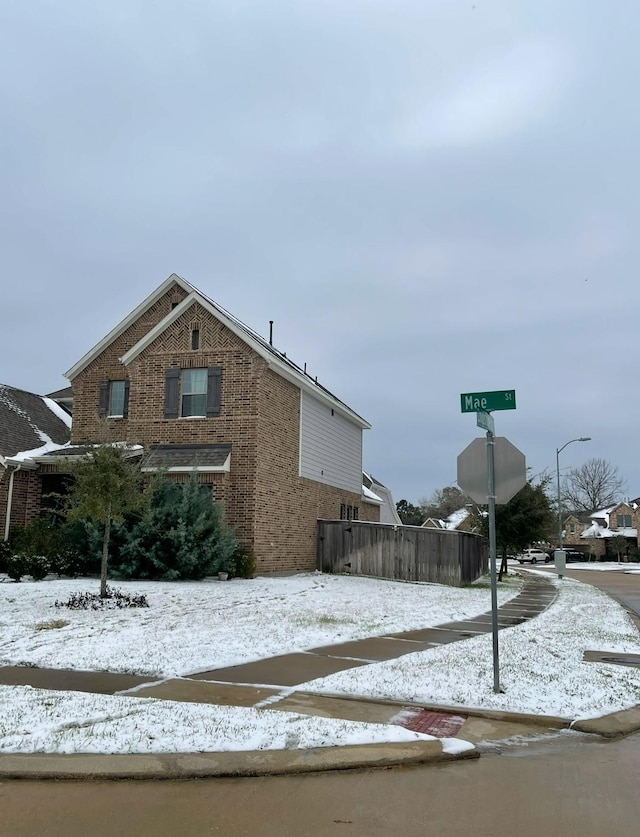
{"x":269,"y":685}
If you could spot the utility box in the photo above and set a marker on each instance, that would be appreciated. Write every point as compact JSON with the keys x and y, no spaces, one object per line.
{"x":560,"y":558}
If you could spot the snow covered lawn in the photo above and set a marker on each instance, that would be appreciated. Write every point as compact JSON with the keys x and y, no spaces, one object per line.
{"x":197,"y":626}
{"x":541,"y":665}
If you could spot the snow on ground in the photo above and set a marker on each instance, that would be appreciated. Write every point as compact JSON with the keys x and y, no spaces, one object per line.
{"x":196,"y":626}
{"x":541,"y":667}
{"x":39,"y":721}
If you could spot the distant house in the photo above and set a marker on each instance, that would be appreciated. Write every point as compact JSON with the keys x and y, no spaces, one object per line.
{"x":30,"y":426}
{"x":460,"y":520}
{"x":591,"y":533}
{"x":205,"y":395}
{"x":378,"y":494}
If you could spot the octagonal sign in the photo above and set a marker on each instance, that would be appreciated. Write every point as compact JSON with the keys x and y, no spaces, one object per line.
{"x":510,"y":470}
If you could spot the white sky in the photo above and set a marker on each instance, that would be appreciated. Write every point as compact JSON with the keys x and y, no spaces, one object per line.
{"x":197,"y":626}
{"x":437,"y":195}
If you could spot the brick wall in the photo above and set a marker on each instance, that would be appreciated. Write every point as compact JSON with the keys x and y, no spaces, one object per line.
{"x":236,"y":423}
{"x":288,"y":506}
{"x":571,"y":538}
{"x":273,"y":510}
{"x":25,"y":502}
{"x":87,"y":425}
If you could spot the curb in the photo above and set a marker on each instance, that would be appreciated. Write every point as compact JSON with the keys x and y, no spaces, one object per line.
{"x":552,"y":721}
{"x":231,"y":764}
{"x":615,"y":725}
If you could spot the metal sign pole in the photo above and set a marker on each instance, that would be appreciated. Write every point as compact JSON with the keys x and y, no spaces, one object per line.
{"x":491,"y":497}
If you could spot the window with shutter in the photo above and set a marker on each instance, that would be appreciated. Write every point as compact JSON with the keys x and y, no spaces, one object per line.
{"x":113,"y":399}
{"x":192,"y":393}
{"x":103,"y":398}
{"x":213,"y":391}
{"x":171,"y":393}
{"x":116,"y":398}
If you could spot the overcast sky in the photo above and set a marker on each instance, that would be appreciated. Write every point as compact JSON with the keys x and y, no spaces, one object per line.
{"x":428,"y":197}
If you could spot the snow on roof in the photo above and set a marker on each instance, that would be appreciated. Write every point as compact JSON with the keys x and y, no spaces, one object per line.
{"x":55,"y":408}
{"x":369,"y":495}
{"x":28,"y":455}
{"x":28,"y":420}
{"x":456,"y":518}
{"x":597,"y":531}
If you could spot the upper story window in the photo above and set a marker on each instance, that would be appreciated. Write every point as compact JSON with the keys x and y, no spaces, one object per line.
{"x":623,"y":521}
{"x":113,"y":399}
{"x":195,"y":338}
{"x":192,"y":393}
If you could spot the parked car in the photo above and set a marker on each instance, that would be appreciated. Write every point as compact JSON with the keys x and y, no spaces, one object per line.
{"x":575,"y":555}
{"x":533,"y":556}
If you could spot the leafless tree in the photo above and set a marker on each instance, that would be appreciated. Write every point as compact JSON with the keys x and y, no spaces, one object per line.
{"x":594,"y":485}
{"x":443,"y":502}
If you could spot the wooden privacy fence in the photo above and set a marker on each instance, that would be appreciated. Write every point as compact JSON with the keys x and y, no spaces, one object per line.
{"x":409,"y":553}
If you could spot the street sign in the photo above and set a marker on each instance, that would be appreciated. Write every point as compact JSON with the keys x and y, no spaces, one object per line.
{"x":473,"y":402}
{"x":510,"y":470}
{"x":485,"y":421}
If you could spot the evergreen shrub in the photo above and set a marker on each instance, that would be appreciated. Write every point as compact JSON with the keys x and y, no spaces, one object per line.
{"x":180,"y":535}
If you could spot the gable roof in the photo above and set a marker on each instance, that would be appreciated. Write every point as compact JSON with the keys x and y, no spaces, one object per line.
{"x":277,"y":360}
{"x":122,"y":326}
{"x":29,"y":421}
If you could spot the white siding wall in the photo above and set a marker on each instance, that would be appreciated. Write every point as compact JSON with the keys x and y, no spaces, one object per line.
{"x":330,"y":446}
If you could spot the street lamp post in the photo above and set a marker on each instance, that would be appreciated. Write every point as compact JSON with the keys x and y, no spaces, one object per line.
{"x":558,"y":452}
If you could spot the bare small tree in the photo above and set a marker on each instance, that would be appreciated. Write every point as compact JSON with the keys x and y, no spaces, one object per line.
{"x":619,"y":546}
{"x":444,"y":501}
{"x":594,"y":485}
{"x":106,"y":485}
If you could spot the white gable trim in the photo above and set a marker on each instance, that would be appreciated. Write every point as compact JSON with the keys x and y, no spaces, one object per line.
{"x":91,"y":355}
{"x":283,"y":369}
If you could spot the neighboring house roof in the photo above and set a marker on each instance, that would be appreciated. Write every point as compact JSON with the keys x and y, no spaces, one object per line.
{"x":371,"y":497}
{"x":64,"y":397}
{"x":30,"y":422}
{"x":276,"y":359}
{"x":605,"y":514}
{"x":596,"y":531}
{"x":186,"y":458}
{"x":453,"y":521}
{"x":388,"y":511}
{"x":61,"y":394}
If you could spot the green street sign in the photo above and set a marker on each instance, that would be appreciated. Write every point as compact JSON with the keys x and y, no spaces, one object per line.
{"x":485,"y":402}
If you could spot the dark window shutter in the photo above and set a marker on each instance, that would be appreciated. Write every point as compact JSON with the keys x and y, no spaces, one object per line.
{"x":171,"y":393}
{"x":125,"y":409}
{"x":103,"y":399}
{"x":213,"y":391}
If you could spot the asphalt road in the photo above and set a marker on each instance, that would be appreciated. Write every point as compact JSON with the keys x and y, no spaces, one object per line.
{"x":625,"y":587}
{"x":569,"y":786}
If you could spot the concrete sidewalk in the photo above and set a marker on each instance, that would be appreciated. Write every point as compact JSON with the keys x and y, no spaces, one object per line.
{"x":269,"y":685}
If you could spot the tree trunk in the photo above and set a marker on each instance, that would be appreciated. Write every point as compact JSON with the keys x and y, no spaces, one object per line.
{"x":105,"y":555}
{"x":502,"y":566}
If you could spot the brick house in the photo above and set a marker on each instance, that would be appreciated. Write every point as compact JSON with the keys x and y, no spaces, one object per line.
{"x":203,"y":393}
{"x":30,"y":426}
{"x":592,"y":533}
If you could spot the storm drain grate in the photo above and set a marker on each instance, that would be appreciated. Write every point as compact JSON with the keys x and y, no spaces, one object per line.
{"x":438,"y":724}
